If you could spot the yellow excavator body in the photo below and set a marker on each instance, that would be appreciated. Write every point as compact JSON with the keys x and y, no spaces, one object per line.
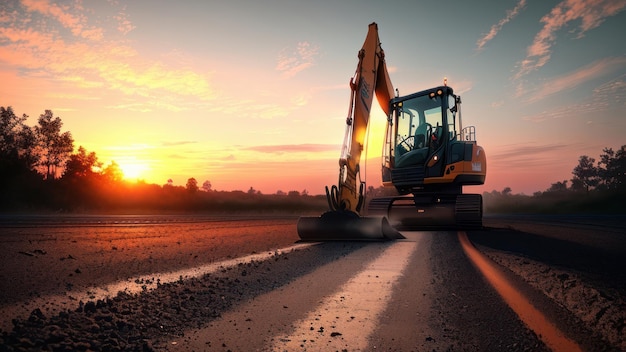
{"x":427,"y":154}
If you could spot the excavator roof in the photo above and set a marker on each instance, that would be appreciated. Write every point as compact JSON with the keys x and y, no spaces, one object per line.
{"x":443,"y":89}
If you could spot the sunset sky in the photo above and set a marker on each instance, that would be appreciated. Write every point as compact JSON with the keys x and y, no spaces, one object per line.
{"x":255,"y":93}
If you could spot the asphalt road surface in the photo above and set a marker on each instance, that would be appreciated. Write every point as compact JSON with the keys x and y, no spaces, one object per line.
{"x":244,"y":284}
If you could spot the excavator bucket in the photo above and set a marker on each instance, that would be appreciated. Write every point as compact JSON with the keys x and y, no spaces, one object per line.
{"x":345,"y":226}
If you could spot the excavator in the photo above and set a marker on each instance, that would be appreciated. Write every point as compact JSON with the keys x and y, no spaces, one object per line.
{"x":428,"y":157}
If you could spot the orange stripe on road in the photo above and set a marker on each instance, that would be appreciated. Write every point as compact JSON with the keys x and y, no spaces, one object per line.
{"x":554,"y":338}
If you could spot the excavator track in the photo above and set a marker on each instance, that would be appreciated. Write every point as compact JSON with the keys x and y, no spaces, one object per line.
{"x":469,"y":211}
{"x":463,"y":211}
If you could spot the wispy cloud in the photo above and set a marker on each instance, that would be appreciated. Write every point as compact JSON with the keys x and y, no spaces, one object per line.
{"x":462,"y":87}
{"x":510,"y":14}
{"x":573,"y":79}
{"x":527,"y":155}
{"x":36,"y":41}
{"x":294,"y":148}
{"x":590,"y":14}
{"x":291,"y":62}
{"x":250,"y":108}
{"x":557,"y":112}
{"x":612,"y":93}
{"x":68,"y":16}
{"x":124,"y":25}
{"x":177,"y":143}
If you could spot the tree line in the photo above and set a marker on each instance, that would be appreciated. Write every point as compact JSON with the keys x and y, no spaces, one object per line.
{"x":598,"y":187}
{"x":39,"y":171}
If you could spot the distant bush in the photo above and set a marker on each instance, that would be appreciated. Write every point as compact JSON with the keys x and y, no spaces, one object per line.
{"x":595,"y":188}
{"x":566,"y":202}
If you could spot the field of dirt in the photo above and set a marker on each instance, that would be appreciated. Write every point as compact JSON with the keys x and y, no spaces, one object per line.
{"x":50,"y":268}
{"x":122,"y":283}
{"x":578,"y":263}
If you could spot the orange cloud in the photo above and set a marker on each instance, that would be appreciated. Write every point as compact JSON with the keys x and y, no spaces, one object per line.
{"x":590,"y":13}
{"x":573,"y":79}
{"x":33,"y":46}
{"x":510,"y":14}
{"x":76,"y":23}
{"x":290,"y":64}
{"x":124,"y":24}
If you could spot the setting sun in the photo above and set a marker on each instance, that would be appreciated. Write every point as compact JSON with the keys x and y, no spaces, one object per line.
{"x":133,"y":169}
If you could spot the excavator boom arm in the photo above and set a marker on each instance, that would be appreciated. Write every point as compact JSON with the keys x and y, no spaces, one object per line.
{"x":371,"y":77}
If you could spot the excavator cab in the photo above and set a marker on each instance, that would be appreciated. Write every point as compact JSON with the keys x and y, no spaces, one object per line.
{"x":419,"y":130}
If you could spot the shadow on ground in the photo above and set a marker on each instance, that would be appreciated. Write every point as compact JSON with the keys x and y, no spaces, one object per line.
{"x":130,"y":321}
{"x":594,"y":263}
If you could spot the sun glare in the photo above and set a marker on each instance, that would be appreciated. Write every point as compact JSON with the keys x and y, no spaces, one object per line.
{"x":133,"y":170}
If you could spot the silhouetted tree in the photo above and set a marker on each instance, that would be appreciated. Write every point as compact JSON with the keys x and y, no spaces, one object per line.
{"x":54,"y":146}
{"x":612,"y":168}
{"x":192,"y":185}
{"x":112,"y":173}
{"x":585,"y":174}
{"x":17,"y":141}
{"x":82,"y":165}
{"x":206,"y":186}
{"x":169,"y":186}
{"x":507,"y":191}
{"x":558,"y":187}
{"x":19,"y":181}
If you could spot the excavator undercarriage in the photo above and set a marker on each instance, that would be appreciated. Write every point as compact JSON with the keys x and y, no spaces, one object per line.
{"x":427,"y":211}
